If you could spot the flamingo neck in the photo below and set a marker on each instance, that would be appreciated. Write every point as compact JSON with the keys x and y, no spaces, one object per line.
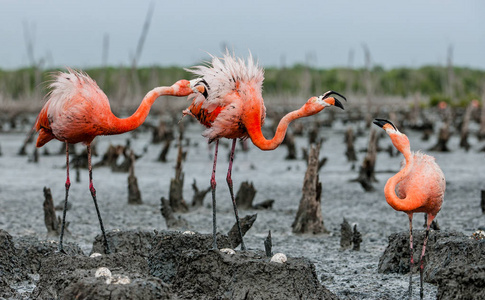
{"x":392,"y":199}
{"x":132,"y":122}
{"x":257,"y":137}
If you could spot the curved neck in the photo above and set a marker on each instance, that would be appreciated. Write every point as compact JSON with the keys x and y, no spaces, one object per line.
{"x":132,"y":122}
{"x":390,"y":189}
{"x":254,"y":127}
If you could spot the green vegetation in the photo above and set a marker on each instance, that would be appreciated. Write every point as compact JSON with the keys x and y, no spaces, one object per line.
{"x":430,"y":81}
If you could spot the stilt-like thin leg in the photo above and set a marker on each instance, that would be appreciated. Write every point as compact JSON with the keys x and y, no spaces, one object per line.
{"x":421,"y":259}
{"x":93,"y":193}
{"x":229,"y":183}
{"x":213,"y":188}
{"x":68,"y":184}
{"x":411,"y":252}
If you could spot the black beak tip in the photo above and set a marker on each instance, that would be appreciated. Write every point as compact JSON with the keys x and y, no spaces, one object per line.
{"x":382,"y":122}
{"x":378,"y":123}
{"x":339,"y":104}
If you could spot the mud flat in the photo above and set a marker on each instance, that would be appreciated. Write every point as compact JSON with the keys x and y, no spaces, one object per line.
{"x":346,"y":274}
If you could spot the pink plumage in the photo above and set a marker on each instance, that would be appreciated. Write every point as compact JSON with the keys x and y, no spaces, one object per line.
{"x":229,"y":82}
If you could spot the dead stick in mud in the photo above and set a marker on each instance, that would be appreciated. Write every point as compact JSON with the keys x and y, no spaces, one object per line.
{"x":482,"y":202}
{"x":35,"y":155}
{"x":309,"y":217}
{"x":481,"y":132}
{"x":349,"y":141}
{"x":443,"y":137}
{"x":166,"y":147}
{"x":367,"y":169}
{"x":134,"y":195}
{"x":369,"y":85}
{"x":50,"y":219}
{"x":345,"y":235}
{"x":289,"y":141}
{"x":139,"y":46}
{"x":176,"y":199}
{"x":356,"y":239}
{"x":169,"y":216}
{"x":313,"y":134}
{"x":28,"y":139}
{"x":246,"y":223}
{"x":465,"y":127}
{"x":198,"y":198}
{"x":245,"y":195}
{"x":268,"y":245}
{"x":266,"y":204}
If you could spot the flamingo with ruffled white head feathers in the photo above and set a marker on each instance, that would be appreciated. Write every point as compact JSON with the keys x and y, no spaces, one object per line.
{"x":231,"y":106}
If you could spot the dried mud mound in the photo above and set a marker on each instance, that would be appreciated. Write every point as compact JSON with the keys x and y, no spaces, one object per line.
{"x":453,"y":261}
{"x":246,"y":275}
{"x":184,"y":261}
{"x":462,"y":283}
{"x":396,"y":256}
{"x":10,"y":267}
{"x":31,"y":251}
{"x":74,"y":277}
{"x":169,"y":247}
{"x":154,"y":265}
{"x":130,"y":241}
{"x":22,"y":256}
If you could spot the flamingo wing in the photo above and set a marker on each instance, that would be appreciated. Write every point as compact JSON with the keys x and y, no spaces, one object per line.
{"x":425,"y":184}
{"x":75,"y":111}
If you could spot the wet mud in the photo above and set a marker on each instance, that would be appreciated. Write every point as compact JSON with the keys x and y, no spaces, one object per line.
{"x":151,"y":262}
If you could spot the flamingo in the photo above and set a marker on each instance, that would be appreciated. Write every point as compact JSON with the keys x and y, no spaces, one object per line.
{"x":420,"y":187}
{"x":231,"y":106}
{"x":77,"y":110}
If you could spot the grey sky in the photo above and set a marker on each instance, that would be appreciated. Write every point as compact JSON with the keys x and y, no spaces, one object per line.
{"x":405,"y":33}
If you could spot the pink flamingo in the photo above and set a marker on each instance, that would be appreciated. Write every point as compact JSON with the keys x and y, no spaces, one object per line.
{"x":77,"y":110}
{"x":420,"y":187}
{"x":231,"y":106}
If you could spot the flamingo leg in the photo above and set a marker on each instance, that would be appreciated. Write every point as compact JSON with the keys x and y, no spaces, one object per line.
{"x":229,"y":183}
{"x":213,"y":188}
{"x":411,"y":252}
{"x":68,"y":185}
{"x":421,"y":259}
{"x":93,"y":193}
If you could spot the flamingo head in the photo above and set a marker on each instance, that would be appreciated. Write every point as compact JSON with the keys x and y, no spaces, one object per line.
{"x":184,"y":87}
{"x":201,"y":86}
{"x":316,"y":104}
{"x":399,"y":140}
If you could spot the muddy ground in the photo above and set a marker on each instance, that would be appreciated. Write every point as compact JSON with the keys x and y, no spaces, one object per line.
{"x":346,"y":274}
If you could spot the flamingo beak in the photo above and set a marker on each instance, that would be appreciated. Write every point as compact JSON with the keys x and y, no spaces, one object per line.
{"x":338,"y":104}
{"x":201,"y":90}
{"x":382,"y":122}
{"x":335,"y":102}
{"x":201,"y":86}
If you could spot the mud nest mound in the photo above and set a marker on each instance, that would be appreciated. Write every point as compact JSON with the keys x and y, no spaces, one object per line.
{"x":246,"y":275}
{"x":453,"y":261}
{"x":157,"y":265}
{"x":74,"y":277}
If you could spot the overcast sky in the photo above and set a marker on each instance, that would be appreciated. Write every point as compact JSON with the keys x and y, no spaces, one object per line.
{"x":321,"y":33}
